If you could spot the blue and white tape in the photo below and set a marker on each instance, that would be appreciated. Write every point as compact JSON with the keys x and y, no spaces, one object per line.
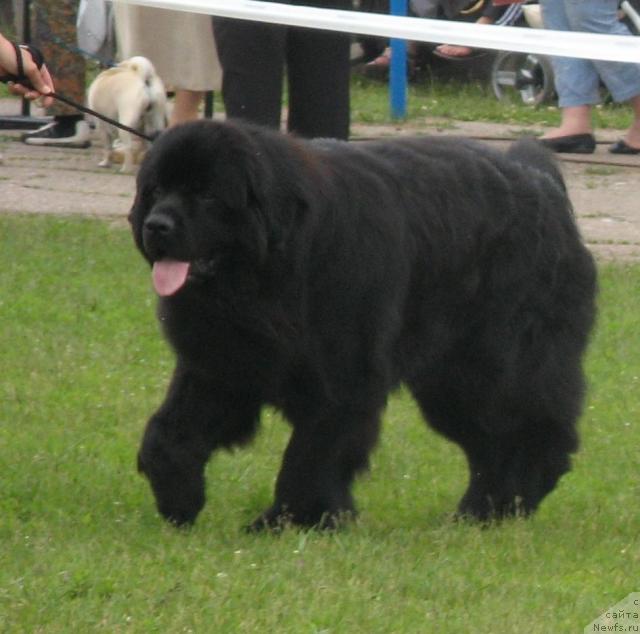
{"x":539,"y":41}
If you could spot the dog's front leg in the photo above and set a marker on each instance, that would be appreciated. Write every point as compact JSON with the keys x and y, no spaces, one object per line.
{"x":322,"y":458}
{"x":180,"y":436}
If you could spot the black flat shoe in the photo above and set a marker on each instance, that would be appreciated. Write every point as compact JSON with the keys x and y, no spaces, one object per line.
{"x":571,"y":144}
{"x":620,"y":147}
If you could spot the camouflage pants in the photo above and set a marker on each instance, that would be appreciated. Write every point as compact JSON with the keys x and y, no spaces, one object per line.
{"x":54,"y":33}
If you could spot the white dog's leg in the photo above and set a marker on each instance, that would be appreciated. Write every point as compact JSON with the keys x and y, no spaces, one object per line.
{"x":127,"y":151}
{"x":129,"y":117}
{"x":104,"y":134}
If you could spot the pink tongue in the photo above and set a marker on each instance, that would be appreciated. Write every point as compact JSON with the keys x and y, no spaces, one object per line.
{"x":169,"y":276}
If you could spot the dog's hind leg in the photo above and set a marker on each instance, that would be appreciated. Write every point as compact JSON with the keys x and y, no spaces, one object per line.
{"x":180,"y":436}
{"x":130,"y":117}
{"x":107,"y":140}
{"x":517,"y":445}
{"x":511,"y":474}
{"x":126,"y":145}
{"x":320,"y":463}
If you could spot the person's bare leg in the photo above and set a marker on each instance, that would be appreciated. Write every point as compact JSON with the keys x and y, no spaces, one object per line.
{"x":458,"y":51}
{"x":185,"y":106}
{"x":454,"y":50}
{"x":632,"y":137}
{"x":575,"y":120}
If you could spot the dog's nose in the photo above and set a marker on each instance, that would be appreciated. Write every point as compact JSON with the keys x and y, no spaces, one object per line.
{"x":159,"y":225}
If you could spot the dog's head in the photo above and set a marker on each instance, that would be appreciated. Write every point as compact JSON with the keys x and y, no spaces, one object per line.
{"x":201,"y":198}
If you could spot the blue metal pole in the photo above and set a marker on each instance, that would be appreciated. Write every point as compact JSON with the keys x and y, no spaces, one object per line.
{"x":398,"y":71}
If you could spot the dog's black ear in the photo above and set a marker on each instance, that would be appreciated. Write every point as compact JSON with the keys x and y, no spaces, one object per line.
{"x":245,"y":186}
{"x":241,"y":177}
{"x":255,"y":235}
{"x":135,"y":221}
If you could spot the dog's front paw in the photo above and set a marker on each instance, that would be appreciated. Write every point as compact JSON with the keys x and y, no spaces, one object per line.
{"x":178,"y":489}
{"x":273,"y":520}
{"x":276,"y":519}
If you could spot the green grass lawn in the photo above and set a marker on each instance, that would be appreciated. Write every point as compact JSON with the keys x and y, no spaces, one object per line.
{"x":458,"y":100}
{"x":83,"y":550}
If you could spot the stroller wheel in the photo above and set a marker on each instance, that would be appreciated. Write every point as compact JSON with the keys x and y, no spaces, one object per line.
{"x":522,"y":76}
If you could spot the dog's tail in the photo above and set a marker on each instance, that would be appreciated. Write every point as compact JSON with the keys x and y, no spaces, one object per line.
{"x":531,"y":154}
{"x":143,"y":67}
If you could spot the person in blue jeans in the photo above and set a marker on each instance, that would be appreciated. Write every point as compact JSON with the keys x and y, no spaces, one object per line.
{"x":577,"y":81}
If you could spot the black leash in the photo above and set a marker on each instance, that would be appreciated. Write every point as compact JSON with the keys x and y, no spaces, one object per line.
{"x":117,"y":124}
{"x":38,"y":58}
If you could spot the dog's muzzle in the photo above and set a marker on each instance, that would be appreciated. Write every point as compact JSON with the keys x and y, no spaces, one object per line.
{"x":158,"y":234}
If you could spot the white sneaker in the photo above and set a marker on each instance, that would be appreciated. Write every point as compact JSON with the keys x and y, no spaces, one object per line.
{"x":54,"y":135}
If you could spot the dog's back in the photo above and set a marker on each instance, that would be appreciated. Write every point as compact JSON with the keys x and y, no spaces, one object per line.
{"x":531,"y":154}
{"x":133,"y":80}
{"x":141,"y":66}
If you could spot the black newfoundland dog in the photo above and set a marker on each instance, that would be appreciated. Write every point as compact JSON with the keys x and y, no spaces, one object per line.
{"x":317,"y":276}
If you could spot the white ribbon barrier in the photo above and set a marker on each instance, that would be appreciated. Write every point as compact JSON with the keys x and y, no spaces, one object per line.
{"x":584,"y":45}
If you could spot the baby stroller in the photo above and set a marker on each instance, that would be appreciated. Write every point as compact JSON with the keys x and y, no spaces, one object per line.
{"x":525,"y":77}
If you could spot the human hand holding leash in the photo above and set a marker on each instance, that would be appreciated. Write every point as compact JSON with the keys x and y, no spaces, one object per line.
{"x":26,"y":75}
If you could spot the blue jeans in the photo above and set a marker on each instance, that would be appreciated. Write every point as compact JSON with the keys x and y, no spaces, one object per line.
{"x":578,"y":80}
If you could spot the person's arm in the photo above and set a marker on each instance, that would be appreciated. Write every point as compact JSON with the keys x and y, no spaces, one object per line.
{"x":491,"y":13}
{"x":39,"y":78}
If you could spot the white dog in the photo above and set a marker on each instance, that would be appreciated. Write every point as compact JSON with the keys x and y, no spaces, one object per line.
{"x":134,"y":95}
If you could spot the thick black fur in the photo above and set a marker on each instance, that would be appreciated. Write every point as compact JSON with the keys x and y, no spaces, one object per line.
{"x":324,"y":274}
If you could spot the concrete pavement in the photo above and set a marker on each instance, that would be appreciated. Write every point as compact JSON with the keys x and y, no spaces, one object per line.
{"x":41,"y":180}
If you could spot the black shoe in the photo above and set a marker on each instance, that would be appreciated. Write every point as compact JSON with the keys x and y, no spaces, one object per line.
{"x":55,"y":134}
{"x":571,"y":144}
{"x":620,"y":147}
